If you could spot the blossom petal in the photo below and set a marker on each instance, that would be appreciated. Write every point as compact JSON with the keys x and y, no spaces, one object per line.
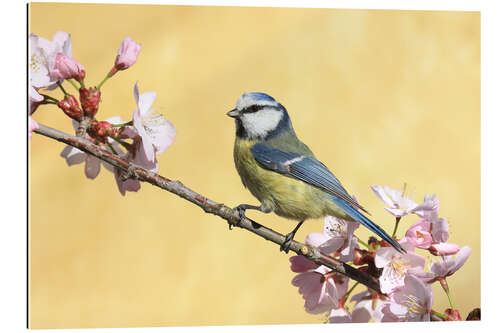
{"x":300,"y":264}
{"x":461,"y":258}
{"x":132,"y":185}
{"x":312,"y":290}
{"x":390,"y":280}
{"x":340,"y":316}
{"x":380,"y":193}
{"x":444,"y":249}
{"x":442,"y":269}
{"x":383,"y":256}
{"x":73,"y":155}
{"x":362,"y":312}
{"x":146,"y":152}
{"x":316,"y":239}
{"x":116,"y":120}
{"x":421,"y":274}
{"x":34,"y":95}
{"x":136,"y":93}
{"x":92,"y":166}
{"x":396,"y":211}
{"x":332,"y":244}
{"x":398,"y":309}
{"x":146,"y":101}
{"x":359,"y":297}
{"x":419,"y":234}
{"x":431,"y":203}
{"x":440,"y":229}
{"x":164,"y":136}
{"x":347,"y":254}
{"x":415,"y":260}
{"x":32,"y":125}
{"x":415,"y":300}
{"x":63,"y":40}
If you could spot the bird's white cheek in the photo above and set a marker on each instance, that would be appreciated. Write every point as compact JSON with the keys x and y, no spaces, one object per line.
{"x":262,"y":122}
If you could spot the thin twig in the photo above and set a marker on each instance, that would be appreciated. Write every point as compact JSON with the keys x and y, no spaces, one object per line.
{"x":82,"y":126}
{"x":211,"y":207}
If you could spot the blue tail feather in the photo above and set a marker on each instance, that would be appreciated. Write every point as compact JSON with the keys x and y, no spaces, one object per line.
{"x":356,"y":215}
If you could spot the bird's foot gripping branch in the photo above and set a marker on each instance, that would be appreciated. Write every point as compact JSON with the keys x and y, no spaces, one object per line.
{"x":398,"y":286}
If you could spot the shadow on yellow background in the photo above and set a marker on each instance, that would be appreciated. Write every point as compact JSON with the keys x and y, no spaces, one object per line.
{"x":382,"y":97}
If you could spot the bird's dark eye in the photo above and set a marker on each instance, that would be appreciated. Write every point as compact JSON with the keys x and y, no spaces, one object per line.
{"x":253,"y":108}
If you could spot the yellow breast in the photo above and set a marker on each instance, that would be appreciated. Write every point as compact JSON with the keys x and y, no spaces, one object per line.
{"x":289,"y":197}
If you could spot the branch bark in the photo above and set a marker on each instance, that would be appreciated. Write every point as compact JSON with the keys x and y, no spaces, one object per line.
{"x":210,"y":206}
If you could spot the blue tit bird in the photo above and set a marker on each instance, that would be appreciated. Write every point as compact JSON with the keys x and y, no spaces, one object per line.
{"x":283,"y":173}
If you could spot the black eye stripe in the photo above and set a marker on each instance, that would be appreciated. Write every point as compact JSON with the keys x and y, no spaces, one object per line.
{"x":253,"y":108}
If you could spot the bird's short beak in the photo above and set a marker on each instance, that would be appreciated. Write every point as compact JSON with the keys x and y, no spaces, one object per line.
{"x":233,"y":113}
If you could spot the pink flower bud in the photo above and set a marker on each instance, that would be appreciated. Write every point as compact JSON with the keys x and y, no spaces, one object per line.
{"x":67,"y":68}
{"x":453,"y":315}
{"x":419,"y":234}
{"x":443,"y":249}
{"x":33,"y":125}
{"x":127,"y":54}
{"x":70,"y":107}
{"x":90,"y":98}
{"x":101,"y":129}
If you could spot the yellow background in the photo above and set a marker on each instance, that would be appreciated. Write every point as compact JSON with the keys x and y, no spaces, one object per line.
{"x":382,"y":97}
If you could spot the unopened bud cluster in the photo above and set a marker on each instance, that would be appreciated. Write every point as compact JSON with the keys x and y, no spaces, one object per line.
{"x":90,"y":99}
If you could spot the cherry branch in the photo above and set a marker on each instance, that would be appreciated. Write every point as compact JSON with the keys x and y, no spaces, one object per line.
{"x":209,"y":206}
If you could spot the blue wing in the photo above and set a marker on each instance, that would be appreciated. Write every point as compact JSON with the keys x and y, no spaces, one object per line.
{"x":305,"y":168}
{"x":309,"y":170}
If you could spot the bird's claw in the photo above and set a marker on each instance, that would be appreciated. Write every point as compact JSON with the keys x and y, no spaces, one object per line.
{"x":286,"y":244}
{"x":130,"y":173}
{"x":241,"y":212}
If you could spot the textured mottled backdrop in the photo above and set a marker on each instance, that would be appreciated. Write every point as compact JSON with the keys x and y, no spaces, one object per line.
{"x":382,"y":97}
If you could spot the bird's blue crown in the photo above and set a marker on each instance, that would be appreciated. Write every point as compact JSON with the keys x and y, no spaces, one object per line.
{"x":261,"y":96}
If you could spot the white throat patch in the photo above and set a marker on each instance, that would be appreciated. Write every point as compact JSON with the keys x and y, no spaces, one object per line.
{"x":260,"y":123}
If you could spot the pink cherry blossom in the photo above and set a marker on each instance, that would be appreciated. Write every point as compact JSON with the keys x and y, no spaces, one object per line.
{"x":43,"y":58}
{"x":337,"y":237}
{"x":400,"y":205}
{"x":67,"y":68}
{"x":34,"y":99}
{"x":396,"y":203}
{"x":442,"y":269}
{"x":439,"y":228}
{"x":127,"y":54}
{"x":130,"y":185}
{"x":38,"y":73}
{"x":411,"y":303}
{"x":156,"y":133}
{"x":340,"y":315}
{"x":419,"y":234}
{"x":443,"y":249}
{"x":92,"y":168}
{"x":319,"y":289}
{"x":324,"y":242}
{"x":367,"y":307}
{"x":32,"y":125}
{"x":341,"y":231}
{"x":321,"y":294}
{"x":430,"y":205}
{"x":75,"y":156}
{"x":300,"y":264}
{"x":395,"y":265}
